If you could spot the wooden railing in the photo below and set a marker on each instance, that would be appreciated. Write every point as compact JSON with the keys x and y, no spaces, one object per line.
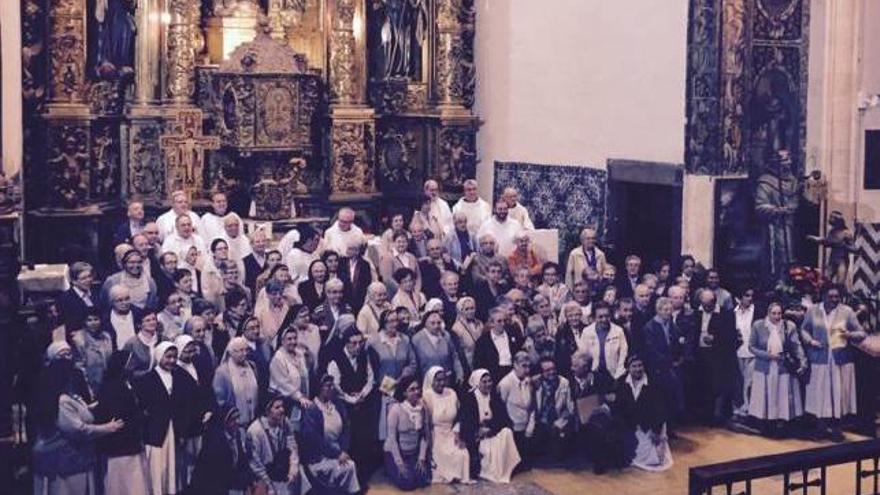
{"x":736,"y":477}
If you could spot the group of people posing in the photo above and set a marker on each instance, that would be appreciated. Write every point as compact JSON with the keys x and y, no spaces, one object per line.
{"x":445,"y":349}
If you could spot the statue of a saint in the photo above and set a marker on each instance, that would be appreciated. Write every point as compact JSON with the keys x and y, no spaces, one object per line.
{"x":114,"y":38}
{"x":404,"y":28}
{"x":776,"y":201}
{"x":839,"y":240}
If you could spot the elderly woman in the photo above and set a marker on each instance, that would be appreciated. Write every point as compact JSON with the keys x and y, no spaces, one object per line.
{"x":93,"y":347}
{"x":273,"y":314}
{"x":311,"y":290}
{"x":142,"y":344}
{"x":638,"y":404}
{"x":397,"y":227}
{"x":273,"y":453}
{"x":829,"y":333}
{"x":406,"y":446}
{"x":393,"y":359}
{"x":289,"y":375}
{"x":451,"y":460}
{"x":64,"y":453}
{"x":173,"y":317}
{"x":544,"y":310}
{"x":568,"y":335}
{"x":486,"y":429}
{"x":235,"y":381}
{"x":552,"y":288}
{"x":523,"y":256}
{"x":467,"y":328}
{"x":408,"y":295}
{"x":259,"y":350}
{"x":141,"y":287}
{"x":517,"y":394}
{"x":126,"y":471}
{"x":377,"y":303}
{"x":434,"y":347}
{"x":776,"y":392}
{"x":325,"y":440}
{"x":397,"y":258}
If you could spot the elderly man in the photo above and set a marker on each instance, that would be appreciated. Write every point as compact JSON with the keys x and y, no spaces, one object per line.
{"x":663,"y":354}
{"x":134,"y":223}
{"x":496,"y":347}
{"x":627,"y":280}
{"x":461,"y":244}
{"x":439,"y":207}
{"x":212,"y":221}
{"x":516,"y":210}
{"x":587,"y":255}
{"x":432,"y":268}
{"x":488,"y":254}
{"x":120,"y":320}
{"x":342,"y":231}
{"x":475,"y":209}
{"x":183,"y":238}
{"x":502,"y":227}
{"x":273,"y":314}
{"x":356,"y":272}
{"x":606,"y":343}
{"x":180,"y":205}
{"x":76,"y":302}
{"x":142,"y":288}
{"x":717,"y":365}
{"x":369,"y":315}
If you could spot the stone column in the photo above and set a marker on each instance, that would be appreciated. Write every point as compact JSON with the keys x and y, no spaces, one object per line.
{"x":10,"y":43}
{"x":183,"y":41}
{"x":149,"y":48}
{"x":353,"y":129}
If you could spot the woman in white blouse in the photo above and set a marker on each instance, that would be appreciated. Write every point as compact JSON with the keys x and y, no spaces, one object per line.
{"x":467,"y":327}
{"x":408,"y":296}
{"x":396,"y":258}
{"x":450,"y":457}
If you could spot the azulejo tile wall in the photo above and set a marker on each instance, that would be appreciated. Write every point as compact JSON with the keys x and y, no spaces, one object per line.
{"x":562,"y":197}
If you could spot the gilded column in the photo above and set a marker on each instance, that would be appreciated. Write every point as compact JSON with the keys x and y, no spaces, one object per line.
{"x":67,"y":52}
{"x":183,"y":41}
{"x":353,"y":129}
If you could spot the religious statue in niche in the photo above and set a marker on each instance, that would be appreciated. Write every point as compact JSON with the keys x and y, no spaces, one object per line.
{"x":840,"y":242}
{"x":774,"y":110}
{"x":69,"y":170}
{"x":777,"y":196}
{"x":400,"y":28}
{"x":114,"y":34}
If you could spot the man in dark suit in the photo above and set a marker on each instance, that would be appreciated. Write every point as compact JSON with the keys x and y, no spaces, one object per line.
{"x":255,"y":262}
{"x":629,"y":278}
{"x":357,"y":275}
{"x":487,"y":292}
{"x":164,"y":277}
{"x":76,"y":301}
{"x":432,"y":268}
{"x":495,"y":348}
{"x":716,"y":365}
{"x":663,"y":354}
{"x":643,"y":312}
{"x":133,"y":224}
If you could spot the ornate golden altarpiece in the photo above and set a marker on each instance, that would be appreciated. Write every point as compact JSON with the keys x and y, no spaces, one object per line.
{"x":321,"y":102}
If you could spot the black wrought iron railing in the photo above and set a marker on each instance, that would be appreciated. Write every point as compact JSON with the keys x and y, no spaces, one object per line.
{"x":803,"y":472}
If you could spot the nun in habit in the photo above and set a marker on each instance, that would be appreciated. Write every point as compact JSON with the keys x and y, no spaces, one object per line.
{"x":126,"y":472}
{"x":198,"y":411}
{"x":235,"y":382}
{"x":486,"y":428}
{"x":449,"y":454}
{"x":166,"y":395}
{"x":640,"y":406}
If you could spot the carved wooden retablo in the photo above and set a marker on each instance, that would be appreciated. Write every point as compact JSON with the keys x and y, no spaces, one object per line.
{"x":184,"y":152}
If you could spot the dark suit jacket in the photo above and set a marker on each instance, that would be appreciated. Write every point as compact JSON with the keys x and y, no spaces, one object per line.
{"x":721,"y":358}
{"x":180,"y":408}
{"x":314,"y":445}
{"x":309,"y":294}
{"x":73,"y":309}
{"x":624,"y":286}
{"x":469,"y":419}
{"x":216,"y":470}
{"x":164,"y":286}
{"x":486,"y":355}
{"x":658,"y":352}
{"x":123,"y":233}
{"x":647,"y":411}
{"x":356,"y":284}
{"x":107,"y":325}
{"x":485,"y":299}
{"x":252,"y":270}
{"x":431,"y":278}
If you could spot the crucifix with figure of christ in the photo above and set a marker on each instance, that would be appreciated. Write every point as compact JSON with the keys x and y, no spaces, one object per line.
{"x":184,"y":151}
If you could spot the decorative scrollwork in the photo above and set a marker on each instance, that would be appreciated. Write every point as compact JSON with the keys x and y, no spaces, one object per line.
{"x":67,"y":59}
{"x":455,"y":69}
{"x":183,"y":41}
{"x":398,"y":156}
{"x":458,"y":155}
{"x":68,"y":165}
{"x":353,"y":147}
{"x":146,"y":175}
{"x":105,"y":160}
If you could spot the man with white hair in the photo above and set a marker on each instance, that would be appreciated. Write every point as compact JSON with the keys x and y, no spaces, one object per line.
{"x":502,"y":227}
{"x":439,"y":207}
{"x":516,"y":210}
{"x":213,"y":221}
{"x":180,"y":205}
{"x":133,"y":225}
{"x":376,"y":304}
{"x":356,"y":272}
{"x":584,"y":256}
{"x":342,"y":230}
{"x":476,"y":209}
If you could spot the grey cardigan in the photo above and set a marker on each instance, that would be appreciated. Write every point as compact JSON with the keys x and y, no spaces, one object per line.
{"x":791,"y":343}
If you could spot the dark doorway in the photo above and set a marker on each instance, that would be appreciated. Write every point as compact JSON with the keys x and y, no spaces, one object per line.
{"x":645,"y":211}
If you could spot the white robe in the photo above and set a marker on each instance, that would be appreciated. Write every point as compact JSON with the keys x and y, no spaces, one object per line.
{"x":477,"y":212}
{"x":504,"y":233}
{"x":451,"y":462}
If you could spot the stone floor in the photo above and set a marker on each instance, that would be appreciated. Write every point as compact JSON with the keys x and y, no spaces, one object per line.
{"x":693,"y":447}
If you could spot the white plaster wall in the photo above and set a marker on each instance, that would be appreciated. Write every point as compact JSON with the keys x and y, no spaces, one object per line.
{"x":868,"y":201}
{"x":575,"y":82}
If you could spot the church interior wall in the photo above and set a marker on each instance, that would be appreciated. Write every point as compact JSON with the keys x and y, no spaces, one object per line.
{"x":576,"y":82}
{"x":869,"y":200}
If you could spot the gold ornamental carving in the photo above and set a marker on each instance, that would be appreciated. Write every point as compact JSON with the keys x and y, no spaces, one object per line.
{"x":184,"y":151}
{"x":455,"y":70}
{"x":345,"y":77}
{"x":67,"y":51}
{"x":353,"y":158}
{"x":184,"y":40}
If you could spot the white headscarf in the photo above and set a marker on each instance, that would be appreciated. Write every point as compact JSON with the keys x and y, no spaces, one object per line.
{"x":234,"y":342}
{"x":476,"y":377}
{"x":160,"y":350}
{"x":55,"y":349}
{"x":182,"y":341}
{"x":428,"y":384}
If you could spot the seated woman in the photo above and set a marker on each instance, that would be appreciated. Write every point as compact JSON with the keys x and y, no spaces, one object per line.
{"x":406,"y":446}
{"x":325,"y":441}
{"x":408,"y":295}
{"x":273,"y":453}
{"x":486,"y":429}
{"x":776,"y":392}
{"x":638,"y":405}
{"x":451,"y":460}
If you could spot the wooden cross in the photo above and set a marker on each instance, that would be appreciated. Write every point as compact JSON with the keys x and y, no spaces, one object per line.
{"x":184,"y":151}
